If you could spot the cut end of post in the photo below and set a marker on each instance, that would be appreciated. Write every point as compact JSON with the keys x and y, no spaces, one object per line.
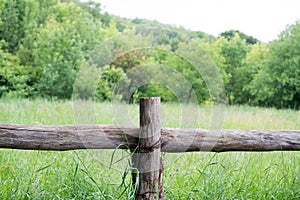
{"x":150,"y":100}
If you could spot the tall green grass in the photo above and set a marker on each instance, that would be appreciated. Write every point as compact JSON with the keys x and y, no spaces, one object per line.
{"x":88,"y":174}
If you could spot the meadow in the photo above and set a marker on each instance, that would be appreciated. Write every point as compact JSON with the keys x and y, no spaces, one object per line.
{"x":97,"y":174}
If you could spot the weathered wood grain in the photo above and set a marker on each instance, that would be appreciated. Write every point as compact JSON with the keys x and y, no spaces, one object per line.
{"x":147,"y":158}
{"x":70,"y":137}
{"x":179,"y":140}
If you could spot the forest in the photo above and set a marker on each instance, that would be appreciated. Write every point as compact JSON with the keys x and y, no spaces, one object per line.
{"x":44,"y":43}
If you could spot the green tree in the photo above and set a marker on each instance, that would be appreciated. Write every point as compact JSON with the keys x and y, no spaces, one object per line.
{"x":234,"y":52}
{"x":230,"y":34}
{"x":109,"y":78}
{"x":61,"y":45}
{"x":255,"y":61}
{"x":13,"y":76}
{"x":35,"y":15}
{"x":12,"y":22}
{"x":278,"y":83}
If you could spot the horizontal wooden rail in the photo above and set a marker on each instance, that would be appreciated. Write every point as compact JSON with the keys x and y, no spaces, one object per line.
{"x":71,"y":137}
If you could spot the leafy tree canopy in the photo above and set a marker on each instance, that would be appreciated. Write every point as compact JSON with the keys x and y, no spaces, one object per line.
{"x":44,"y":43}
{"x":231,"y":33}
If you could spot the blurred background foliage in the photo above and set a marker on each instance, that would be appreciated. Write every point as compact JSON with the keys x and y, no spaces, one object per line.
{"x":44,"y":43}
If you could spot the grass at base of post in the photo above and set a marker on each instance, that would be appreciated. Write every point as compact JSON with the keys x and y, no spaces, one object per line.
{"x":87,"y":174}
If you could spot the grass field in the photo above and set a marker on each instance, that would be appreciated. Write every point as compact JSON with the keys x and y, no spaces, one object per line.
{"x":87,"y":174}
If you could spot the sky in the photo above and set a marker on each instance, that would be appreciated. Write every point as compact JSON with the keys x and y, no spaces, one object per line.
{"x":263,"y":19}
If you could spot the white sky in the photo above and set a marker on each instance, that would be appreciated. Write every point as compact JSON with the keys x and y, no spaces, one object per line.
{"x":263,"y":19}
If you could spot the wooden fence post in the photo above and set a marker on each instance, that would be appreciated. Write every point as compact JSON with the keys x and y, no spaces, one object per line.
{"x":147,"y":159}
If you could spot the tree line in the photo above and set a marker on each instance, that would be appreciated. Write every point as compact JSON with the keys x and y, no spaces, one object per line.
{"x":43,"y":44}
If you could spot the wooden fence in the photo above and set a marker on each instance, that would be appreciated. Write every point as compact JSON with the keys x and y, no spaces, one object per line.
{"x":146,"y":141}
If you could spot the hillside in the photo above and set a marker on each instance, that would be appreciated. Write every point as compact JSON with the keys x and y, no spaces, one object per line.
{"x":43,"y":44}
